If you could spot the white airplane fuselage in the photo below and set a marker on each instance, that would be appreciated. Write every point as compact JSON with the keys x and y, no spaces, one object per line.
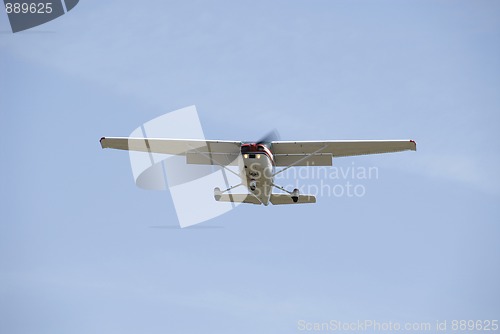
{"x":258,"y":171}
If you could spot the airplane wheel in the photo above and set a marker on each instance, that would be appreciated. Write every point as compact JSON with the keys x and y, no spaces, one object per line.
{"x":295,"y":195}
{"x":217,"y":193}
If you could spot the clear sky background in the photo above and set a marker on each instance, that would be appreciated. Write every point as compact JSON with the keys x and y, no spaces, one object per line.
{"x":83,"y":250}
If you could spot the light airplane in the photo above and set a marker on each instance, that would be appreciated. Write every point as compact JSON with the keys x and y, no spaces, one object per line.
{"x":257,"y":161}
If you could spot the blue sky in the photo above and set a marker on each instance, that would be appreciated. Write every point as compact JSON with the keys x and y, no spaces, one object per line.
{"x":84,"y":250}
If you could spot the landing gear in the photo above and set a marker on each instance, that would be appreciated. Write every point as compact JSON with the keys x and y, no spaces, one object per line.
{"x":218,"y":193}
{"x":252,"y":185}
{"x":295,"y":195}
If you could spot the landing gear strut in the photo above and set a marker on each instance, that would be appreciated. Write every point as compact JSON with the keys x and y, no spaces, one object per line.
{"x":218,"y":193}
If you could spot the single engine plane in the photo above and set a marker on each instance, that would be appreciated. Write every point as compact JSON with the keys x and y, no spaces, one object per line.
{"x":257,"y":161}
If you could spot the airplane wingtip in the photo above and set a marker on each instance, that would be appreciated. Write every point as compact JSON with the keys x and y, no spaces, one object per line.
{"x":414,"y":144}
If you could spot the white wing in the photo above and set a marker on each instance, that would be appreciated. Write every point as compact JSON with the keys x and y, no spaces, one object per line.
{"x":341,"y":148}
{"x":298,"y":153}
{"x":172,"y":146}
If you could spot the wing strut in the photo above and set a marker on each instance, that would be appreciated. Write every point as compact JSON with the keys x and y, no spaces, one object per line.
{"x":281,"y":188}
{"x":300,"y":160}
{"x":218,"y":164}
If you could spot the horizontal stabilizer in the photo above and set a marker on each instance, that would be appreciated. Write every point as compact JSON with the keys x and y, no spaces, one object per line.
{"x":277,"y":199}
{"x":237,"y":198}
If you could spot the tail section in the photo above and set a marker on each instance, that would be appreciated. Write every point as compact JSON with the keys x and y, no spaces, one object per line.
{"x":278,"y":199}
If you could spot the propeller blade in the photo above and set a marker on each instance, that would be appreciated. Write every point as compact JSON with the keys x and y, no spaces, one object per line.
{"x":269,"y":137}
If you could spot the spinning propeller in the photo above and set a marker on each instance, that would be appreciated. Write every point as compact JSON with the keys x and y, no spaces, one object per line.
{"x":269,"y":137}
